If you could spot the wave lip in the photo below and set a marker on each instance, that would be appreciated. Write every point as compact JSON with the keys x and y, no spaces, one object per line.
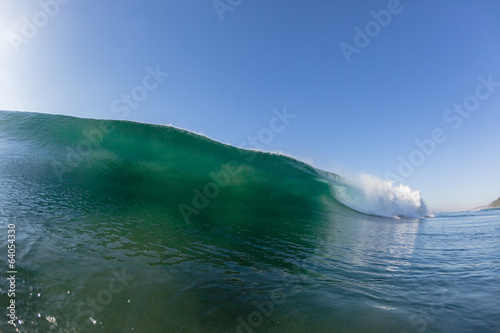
{"x":163,"y":164}
{"x":373,"y":196}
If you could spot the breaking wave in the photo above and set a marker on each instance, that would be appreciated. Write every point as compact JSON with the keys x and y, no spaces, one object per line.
{"x":191,"y":174}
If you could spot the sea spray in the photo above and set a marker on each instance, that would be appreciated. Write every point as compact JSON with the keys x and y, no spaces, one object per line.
{"x":132,"y":162}
{"x":371,"y":195}
{"x":275,"y":250}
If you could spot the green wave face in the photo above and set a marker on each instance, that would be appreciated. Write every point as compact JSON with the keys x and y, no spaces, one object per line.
{"x":190,"y":176}
{"x":169,"y":209}
{"x":116,"y":217}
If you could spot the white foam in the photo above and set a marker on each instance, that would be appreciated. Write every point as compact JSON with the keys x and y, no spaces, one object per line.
{"x":371,"y":195}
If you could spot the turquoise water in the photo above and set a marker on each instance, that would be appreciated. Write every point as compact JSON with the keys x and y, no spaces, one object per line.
{"x":127,"y":227}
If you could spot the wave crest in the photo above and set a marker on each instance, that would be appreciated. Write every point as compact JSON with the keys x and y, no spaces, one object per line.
{"x":133,"y":162}
{"x":373,"y":196}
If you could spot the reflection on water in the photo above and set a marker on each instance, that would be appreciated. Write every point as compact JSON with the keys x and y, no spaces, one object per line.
{"x":90,"y":261}
{"x":88,"y":265}
{"x":388,"y":239}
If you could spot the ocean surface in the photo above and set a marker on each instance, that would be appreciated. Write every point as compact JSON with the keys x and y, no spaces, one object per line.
{"x":129,"y":227}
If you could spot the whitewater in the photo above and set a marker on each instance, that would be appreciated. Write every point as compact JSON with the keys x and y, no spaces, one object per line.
{"x":73,"y":146}
{"x":125,"y":226}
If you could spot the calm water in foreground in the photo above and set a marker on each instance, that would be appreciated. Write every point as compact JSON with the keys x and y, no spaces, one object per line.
{"x":126,"y":270}
{"x":103,"y":246}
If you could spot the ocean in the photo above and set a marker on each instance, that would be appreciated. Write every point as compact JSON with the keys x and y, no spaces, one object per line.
{"x":117,"y":226}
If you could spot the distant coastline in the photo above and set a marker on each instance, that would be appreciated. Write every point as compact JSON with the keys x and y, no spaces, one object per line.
{"x":494,"y":204}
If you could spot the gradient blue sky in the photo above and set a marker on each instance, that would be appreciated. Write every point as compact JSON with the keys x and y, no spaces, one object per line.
{"x":226,"y":77}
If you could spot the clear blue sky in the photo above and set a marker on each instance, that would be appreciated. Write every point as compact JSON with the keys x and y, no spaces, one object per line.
{"x":226,"y":76}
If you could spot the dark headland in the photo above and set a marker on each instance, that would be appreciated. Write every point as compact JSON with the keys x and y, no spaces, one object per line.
{"x":494,"y":204}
